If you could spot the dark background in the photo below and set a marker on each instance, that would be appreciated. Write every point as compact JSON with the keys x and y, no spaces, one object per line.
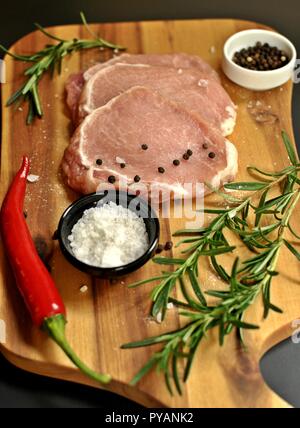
{"x":280,"y":366}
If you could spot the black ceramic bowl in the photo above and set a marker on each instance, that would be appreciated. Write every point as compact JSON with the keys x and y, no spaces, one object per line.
{"x":75,"y":211}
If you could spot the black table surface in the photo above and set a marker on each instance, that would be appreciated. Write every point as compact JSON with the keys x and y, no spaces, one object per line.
{"x":280,"y":366}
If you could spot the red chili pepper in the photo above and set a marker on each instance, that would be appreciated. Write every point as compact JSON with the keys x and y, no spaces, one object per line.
{"x":33,"y":279}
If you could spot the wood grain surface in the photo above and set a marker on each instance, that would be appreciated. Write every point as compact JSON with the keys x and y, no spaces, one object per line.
{"x":108,"y":315}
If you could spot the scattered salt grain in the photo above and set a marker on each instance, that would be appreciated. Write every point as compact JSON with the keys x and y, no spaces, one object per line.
{"x":170,"y":305}
{"x":83,"y":289}
{"x":212,"y":49}
{"x":120,"y":160}
{"x":116,"y":51}
{"x":32,"y":178}
{"x":179,"y":71}
{"x":261,"y":112}
{"x":203,"y":83}
{"x":159,"y":317}
{"x":20,"y":108}
{"x":109,"y":236}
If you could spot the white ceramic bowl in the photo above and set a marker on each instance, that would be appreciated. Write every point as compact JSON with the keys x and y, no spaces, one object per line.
{"x":252,"y":79}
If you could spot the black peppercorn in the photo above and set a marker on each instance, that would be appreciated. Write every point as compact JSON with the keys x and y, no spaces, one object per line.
{"x":189,"y":152}
{"x":176,"y":162}
{"x":261,"y":57}
{"x":205,"y":146}
{"x":161,"y":169}
{"x":137,"y":178}
{"x":168,"y":245}
{"x":144,"y":146}
{"x":185,"y":156}
{"x":99,"y":162}
{"x":112,"y":179}
{"x":211,"y":155}
{"x":122,"y":165}
{"x":159,"y":249}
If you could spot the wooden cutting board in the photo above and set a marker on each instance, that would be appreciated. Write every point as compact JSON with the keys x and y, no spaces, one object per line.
{"x":108,"y":315}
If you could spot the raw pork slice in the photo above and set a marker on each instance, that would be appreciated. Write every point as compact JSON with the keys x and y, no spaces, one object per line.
{"x":190,"y":88}
{"x":176,"y":60}
{"x":73,"y":88}
{"x":116,"y":132}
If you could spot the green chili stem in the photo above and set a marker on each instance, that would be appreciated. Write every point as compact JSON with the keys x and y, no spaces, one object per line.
{"x":55,"y":327}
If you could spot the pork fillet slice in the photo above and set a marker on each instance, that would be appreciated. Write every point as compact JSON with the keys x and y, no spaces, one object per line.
{"x":190,"y":88}
{"x":176,"y":60}
{"x":73,"y":89}
{"x":116,"y":132}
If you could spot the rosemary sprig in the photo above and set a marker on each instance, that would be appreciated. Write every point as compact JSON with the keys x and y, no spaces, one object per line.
{"x":261,"y":227}
{"x":49,"y":60}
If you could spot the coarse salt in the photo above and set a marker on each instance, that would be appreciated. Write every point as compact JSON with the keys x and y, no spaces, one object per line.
{"x":203,"y":83}
{"x":32,"y":178}
{"x":159,"y":317}
{"x":109,"y":236}
{"x":119,"y":160}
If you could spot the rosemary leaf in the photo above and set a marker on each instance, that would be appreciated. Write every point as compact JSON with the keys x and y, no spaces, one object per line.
{"x":260,"y":205}
{"x":244,"y":325}
{"x":289,"y":148}
{"x":188,"y":231}
{"x":148,"y":342}
{"x":292,"y":249}
{"x":168,"y":261}
{"x":146,"y":281}
{"x":144,"y":370}
{"x":245,"y":186}
{"x":217,"y":251}
{"x":196,"y":288}
{"x":175,"y":374}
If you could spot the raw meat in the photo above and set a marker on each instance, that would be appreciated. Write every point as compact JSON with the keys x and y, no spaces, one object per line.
{"x":116,"y":132}
{"x":176,"y":60}
{"x":73,"y":88}
{"x":190,"y":88}
{"x":76,"y":82}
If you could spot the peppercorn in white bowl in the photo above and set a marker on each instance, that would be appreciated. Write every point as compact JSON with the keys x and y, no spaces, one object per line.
{"x":268,"y":45}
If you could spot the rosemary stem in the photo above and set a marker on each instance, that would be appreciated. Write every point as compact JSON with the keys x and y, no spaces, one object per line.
{"x":48,"y":60}
{"x":245,"y":283}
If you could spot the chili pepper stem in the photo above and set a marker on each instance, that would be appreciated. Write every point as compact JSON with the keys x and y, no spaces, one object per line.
{"x":55,"y":327}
